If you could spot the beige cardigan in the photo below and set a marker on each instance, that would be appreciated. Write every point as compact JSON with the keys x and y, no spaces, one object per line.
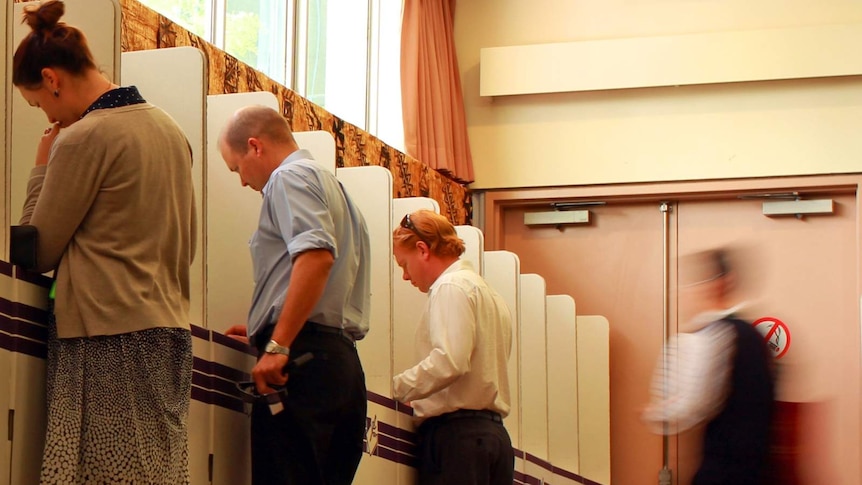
{"x":115,"y":213}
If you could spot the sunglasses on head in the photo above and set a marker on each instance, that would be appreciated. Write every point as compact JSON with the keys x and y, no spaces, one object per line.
{"x":406,"y":223}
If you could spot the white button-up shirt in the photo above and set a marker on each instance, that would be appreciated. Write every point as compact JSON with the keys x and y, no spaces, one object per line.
{"x":463,"y":339}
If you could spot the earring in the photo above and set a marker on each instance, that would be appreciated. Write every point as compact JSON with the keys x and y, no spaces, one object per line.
{"x":56,"y":93}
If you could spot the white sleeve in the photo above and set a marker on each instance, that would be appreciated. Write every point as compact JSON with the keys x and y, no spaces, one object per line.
{"x":452,"y":331}
{"x":694,"y":385}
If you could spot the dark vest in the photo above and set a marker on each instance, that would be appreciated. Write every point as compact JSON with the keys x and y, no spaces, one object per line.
{"x":736,"y":441}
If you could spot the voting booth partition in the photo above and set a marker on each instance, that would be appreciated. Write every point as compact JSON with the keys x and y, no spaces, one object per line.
{"x":554,"y":433}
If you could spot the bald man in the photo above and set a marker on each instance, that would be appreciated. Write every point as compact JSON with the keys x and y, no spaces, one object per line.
{"x":311,"y":295}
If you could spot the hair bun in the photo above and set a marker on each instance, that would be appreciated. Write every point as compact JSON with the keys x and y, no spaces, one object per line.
{"x":44,"y":17}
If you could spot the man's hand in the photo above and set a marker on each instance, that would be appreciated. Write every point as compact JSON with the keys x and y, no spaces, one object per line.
{"x":238,"y":332}
{"x":269,"y":370}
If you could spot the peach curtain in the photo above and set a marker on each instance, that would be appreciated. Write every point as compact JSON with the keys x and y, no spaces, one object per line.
{"x":435,"y":128}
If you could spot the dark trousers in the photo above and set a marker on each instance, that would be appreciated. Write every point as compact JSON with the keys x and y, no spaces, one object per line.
{"x":318,"y":438}
{"x":470,"y":450}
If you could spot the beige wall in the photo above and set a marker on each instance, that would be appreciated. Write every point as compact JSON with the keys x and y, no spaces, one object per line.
{"x":676,"y":133}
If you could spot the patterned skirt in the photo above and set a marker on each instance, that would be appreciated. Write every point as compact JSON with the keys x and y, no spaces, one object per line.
{"x":118,"y":408}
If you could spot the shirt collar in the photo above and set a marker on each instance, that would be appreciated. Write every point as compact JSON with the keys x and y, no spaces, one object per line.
{"x":458,"y":265}
{"x":116,"y":98}
{"x":301,"y":154}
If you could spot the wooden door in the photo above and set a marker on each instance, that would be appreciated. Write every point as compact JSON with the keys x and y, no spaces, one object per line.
{"x":802,"y":271}
{"x":612,"y":267}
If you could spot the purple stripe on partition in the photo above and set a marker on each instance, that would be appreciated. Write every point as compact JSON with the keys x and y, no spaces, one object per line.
{"x":228,"y":402}
{"x":202,"y":365}
{"x":520,"y":477}
{"x":206,"y":375}
{"x":518,"y":453}
{"x":37,"y":279}
{"x":587,"y":481}
{"x":225,"y":387}
{"x":530,"y":480}
{"x":228,"y":373}
{"x":538,"y":461}
{"x":8,"y":324}
{"x":17,"y":309}
{"x":200,"y":332}
{"x":24,"y":329}
{"x":378,"y":399}
{"x":393,"y":455}
{"x":403,"y":408}
{"x":6,"y":268}
{"x":220,"y":371}
{"x":201,"y":380}
{"x":389,"y":403}
{"x":29,"y":347}
{"x":567,"y":474}
{"x":199,"y":394}
{"x":397,"y":445}
{"x":223,"y":339}
{"x":33,"y":314}
{"x":396,"y":432}
{"x":220,"y":400}
{"x":7,"y":342}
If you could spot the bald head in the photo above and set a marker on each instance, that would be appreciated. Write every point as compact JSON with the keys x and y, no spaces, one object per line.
{"x":256,"y":122}
{"x":254,"y":142}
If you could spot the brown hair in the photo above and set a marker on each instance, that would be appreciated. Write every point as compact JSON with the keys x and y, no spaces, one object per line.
{"x":431,"y":228}
{"x":51,"y":44}
{"x":256,"y":121}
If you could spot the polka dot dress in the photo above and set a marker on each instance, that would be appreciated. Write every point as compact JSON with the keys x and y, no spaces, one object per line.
{"x":117,"y":409}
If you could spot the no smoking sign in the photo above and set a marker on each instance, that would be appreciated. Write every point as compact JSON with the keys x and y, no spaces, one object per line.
{"x":775,"y":333}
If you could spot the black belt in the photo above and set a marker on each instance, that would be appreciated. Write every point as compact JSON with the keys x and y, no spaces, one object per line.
{"x":316,"y":328}
{"x":468,"y":413}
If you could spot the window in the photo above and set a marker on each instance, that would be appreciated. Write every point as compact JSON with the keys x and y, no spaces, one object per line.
{"x":194,"y":15}
{"x":343,"y":55}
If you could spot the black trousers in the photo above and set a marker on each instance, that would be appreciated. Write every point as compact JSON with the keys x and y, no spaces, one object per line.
{"x":464,"y":450}
{"x":318,"y":438}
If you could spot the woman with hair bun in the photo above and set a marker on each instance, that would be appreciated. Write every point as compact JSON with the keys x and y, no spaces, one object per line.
{"x":112,"y":201}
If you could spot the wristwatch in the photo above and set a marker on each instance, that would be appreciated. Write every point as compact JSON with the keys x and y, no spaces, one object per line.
{"x":273,"y":348}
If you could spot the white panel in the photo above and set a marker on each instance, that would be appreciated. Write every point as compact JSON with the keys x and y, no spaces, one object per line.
{"x":29,"y":405}
{"x":374,"y":468}
{"x":231,"y":218}
{"x":559,"y":478}
{"x":406,"y":474}
{"x":406,"y":205}
{"x":474,"y":242}
{"x":321,"y":144}
{"x":502,"y":272}
{"x":100,"y":22}
{"x":594,"y":430}
{"x":26,"y":393}
{"x":200,"y":424}
{"x":534,"y":367}
{"x":4,"y":210}
{"x":718,"y":57}
{"x":231,"y":429}
{"x":562,"y":383}
{"x":7,"y":363}
{"x":175,"y":80}
{"x":371,"y":190}
{"x":407,"y":301}
{"x":539,"y":470}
